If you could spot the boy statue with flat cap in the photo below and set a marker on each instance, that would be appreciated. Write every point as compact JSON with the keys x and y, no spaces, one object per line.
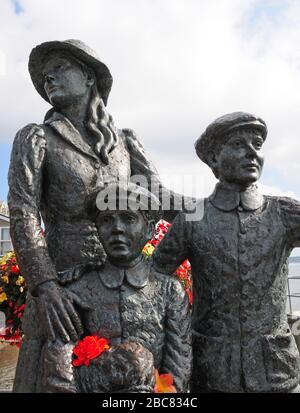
{"x":238,"y":248}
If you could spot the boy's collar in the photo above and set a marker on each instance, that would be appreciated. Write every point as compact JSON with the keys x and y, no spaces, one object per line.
{"x":227,"y":199}
{"x":136,"y":276}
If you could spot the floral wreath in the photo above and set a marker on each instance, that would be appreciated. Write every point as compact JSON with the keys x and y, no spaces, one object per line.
{"x":13,"y":293}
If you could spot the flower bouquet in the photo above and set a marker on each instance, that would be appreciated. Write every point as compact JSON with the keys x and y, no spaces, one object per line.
{"x":184,"y":271}
{"x":12,"y":299}
{"x":120,"y":367}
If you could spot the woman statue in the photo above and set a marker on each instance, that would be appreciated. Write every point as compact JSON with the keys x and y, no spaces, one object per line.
{"x":54,"y":168}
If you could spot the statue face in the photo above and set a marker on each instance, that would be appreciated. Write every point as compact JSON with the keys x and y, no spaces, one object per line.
{"x":123,"y":234}
{"x":241,"y":160}
{"x":65,"y":81}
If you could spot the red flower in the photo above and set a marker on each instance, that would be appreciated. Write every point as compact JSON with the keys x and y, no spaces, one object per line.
{"x":88,"y":349}
{"x":182,"y":272}
{"x":15,"y":269}
{"x":186,"y":264}
{"x":161,"y":229}
{"x":21,"y":308}
{"x":154,"y":242}
{"x":13,"y":337}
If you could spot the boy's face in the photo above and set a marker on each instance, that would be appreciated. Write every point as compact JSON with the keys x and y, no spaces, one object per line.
{"x":241,"y":160}
{"x":123,"y":234}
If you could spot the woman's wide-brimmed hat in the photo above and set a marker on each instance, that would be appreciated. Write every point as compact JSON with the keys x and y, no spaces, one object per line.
{"x":79,"y":50}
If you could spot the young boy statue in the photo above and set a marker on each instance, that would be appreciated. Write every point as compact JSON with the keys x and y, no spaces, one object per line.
{"x":143,"y":314}
{"x":238,"y":248}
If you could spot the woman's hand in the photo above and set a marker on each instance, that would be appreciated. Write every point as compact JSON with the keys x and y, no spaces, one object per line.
{"x":57,"y":312}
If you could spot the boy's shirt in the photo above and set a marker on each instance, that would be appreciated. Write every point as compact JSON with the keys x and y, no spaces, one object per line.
{"x":238,"y":252}
{"x":133,"y":305}
{"x":140,"y":305}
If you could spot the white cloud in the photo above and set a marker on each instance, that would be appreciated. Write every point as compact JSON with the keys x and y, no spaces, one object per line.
{"x":3,"y":70}
{"x":177,"y":65}
{"x":295,"y":252}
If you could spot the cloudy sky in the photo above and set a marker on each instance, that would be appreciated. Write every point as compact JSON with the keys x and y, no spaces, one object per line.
{"x":177,"y":65}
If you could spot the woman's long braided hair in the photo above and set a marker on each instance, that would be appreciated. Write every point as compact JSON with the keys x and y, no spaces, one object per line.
{"x":101,"y":125}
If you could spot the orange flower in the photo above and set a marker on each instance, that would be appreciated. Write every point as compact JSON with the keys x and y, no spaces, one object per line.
{"x":88,"y":349}
{"x":164,"y":383}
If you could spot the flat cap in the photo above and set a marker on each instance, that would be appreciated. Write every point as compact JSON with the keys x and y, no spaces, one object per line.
{"x":216,"y":134}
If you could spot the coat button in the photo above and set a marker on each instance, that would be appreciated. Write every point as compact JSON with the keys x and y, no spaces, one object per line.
{"x":240,"y":209}
{"x":97,"y":165}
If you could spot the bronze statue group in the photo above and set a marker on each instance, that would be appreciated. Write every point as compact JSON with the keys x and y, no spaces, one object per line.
{"x":87,"y":276}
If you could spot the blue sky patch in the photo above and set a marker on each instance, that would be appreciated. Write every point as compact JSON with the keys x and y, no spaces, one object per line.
{"x":267,"y":9}
{"x":5,"y":149}
{"x":19,"y":9}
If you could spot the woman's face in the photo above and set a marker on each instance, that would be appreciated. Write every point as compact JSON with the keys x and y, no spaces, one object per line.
{"x":65,"y":81}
